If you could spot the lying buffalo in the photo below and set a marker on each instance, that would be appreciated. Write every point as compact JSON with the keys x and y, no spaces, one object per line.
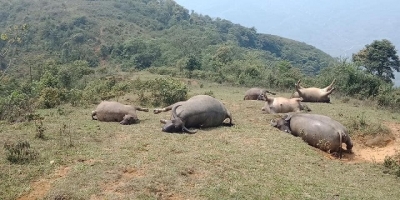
{"x":317,"y":130}
{"x":282,"y":105}
{"x":256,"y":94}
{"x":313,"y":94}
{"x":111,"y":111}
{"x":197,"y":112}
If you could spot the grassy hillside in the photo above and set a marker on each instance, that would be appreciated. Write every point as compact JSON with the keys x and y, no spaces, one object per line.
{"x":79,"y":158}
{"x":138,"y":34}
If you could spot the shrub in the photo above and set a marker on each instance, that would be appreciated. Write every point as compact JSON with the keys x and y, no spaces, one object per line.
{"x":75,"y":97}
{"x":20,"y":152}
{"x":104,"y":89}
{"x":392,"y":163}
{"x":209,"y":93}
{"x":161,"y":91}
{"x":14,"y":106}
{"x":51,"y":97}
{"x":39,"y":129}
{"x":389,"y":97}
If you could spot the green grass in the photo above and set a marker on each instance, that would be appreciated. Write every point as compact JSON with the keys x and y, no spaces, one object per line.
{"x":81,"y":159}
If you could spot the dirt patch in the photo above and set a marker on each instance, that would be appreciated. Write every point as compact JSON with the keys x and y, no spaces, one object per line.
{"x":40,"y":187}
{"x":115,"y":188}
{"x":374,"y":148}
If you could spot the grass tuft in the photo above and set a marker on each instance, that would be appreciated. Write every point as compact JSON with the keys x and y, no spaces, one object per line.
{"x":392,"y":163}
{"x":20,"y":152}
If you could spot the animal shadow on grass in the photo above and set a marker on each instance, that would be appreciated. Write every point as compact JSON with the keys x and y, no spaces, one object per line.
{"x":206,"y":129}
{"x":228,"y":124}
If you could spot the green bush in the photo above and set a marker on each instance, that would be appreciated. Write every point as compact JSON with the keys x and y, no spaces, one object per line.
{"x":351,"y":80}
{"x":15,"y":105}
{"x":51,"y":97}
{"x":75,"y":97}
{"x":161,"y":91}
{"x":389,"y":97}
{"x":103,"y":89}
{"x":20,"y":152}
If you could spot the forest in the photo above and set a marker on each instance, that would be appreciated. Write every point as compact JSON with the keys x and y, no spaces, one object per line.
{"x":55,"y":52}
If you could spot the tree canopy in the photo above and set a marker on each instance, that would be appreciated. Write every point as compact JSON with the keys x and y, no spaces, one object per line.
{"x":139,"y":34}
{"x":379,"y":58}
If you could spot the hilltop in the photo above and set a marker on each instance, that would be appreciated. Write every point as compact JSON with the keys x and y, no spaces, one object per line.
{"x":139,"y":34}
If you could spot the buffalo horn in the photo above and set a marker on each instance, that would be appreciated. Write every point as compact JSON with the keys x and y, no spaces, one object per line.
{"x":273,"y":123}
{"x":188,"y":131}
{"x":174,"y":115}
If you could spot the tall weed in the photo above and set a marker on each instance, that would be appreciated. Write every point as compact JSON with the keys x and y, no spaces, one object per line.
{"x":19,"y":152}
{"x":392,"y":163}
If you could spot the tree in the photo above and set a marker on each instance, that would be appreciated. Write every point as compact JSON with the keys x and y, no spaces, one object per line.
{"x":379,"y":58}
{"x":192,"y":64}
{"x":10,"y":40}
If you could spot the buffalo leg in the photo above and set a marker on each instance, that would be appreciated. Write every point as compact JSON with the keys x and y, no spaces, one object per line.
{"x":165,"y":109}
{"x":142,"y":109}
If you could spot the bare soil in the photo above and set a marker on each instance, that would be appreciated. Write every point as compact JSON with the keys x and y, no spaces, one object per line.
{"x":374,"y":148}
{"x":42,"y":186}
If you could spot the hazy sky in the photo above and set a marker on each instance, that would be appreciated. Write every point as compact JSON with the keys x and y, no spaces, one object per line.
{"x":337,"y":27}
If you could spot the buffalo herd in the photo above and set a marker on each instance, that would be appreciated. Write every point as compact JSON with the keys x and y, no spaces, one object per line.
{"x":202,"y":111}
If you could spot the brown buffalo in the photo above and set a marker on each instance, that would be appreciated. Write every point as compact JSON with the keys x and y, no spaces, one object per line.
{"x":256,"y":94}
{"x":282,"y":105}
{"x":313,"y":94}
{"x":112,"y":111}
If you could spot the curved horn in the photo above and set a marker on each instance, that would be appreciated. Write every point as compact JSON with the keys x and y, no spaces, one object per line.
{"x":273,"y":123}
{"x":188,"y":131}
{"x":287,"y":117}
{"x":94,"y":113}
{"x":163,"y":121}
{"x":174,"y":115}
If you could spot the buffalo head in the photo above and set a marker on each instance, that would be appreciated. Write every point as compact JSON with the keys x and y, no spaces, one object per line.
{"x":282,"y":124}
{"x":261,"y":97}
{"x":129,"y":119}
{"x":175,"y":124}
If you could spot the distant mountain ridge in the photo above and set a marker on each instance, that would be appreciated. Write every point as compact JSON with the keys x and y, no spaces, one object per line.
{"x":339,"y":28}
{"x":329,"y":26}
